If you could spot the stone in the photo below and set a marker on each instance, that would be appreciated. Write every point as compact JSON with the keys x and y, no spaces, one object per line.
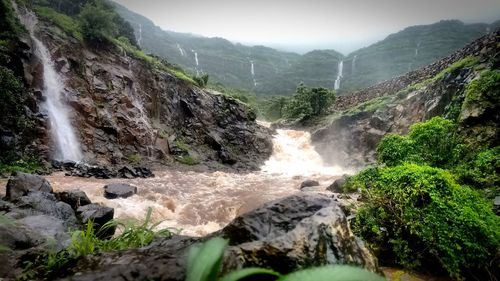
{"x":119,"y":190}
{"x":293,"y":233}
{"x":337,"y":185}
{"x":74,"y":198}
{"x":99,"y":215}
{"x":21,"y":184}
{"x":309,"y":183}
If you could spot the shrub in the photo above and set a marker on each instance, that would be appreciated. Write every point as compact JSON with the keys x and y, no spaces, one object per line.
{"x":419,"y":216}
{"x":309,"y":102}
{"x":435,"y":143}
{"x":482,"y":171}
{"x":97,"y":22}
{"x":201,"y":81}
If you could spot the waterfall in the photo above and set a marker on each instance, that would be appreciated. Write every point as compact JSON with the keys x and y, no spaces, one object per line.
{"x":353,"y":66}
{"x":139,"y":39}
{"x":67,"y":145}
{"x":196,"y":61}
{"x":339,"y":75}
{"x":181,"y":50}
{"x":416,"y":49}
{"x":252,"y":71}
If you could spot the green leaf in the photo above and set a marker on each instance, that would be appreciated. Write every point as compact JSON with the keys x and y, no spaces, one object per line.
{"x":204,"y":260}
{"x":333,"y":273}
{"x":258,"y":273}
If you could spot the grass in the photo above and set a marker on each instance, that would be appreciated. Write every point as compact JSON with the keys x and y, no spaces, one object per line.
{"x":187,"y":160}
{"x":26,"y":166}
{"x":136,"y":53}
{"x":69,"y":25}
{"x":85,"y":242}
{"x":368,"y":106}
{"x":134,"y":159}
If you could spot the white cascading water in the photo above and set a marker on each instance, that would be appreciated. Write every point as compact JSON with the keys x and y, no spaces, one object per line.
{"x":196,"y":62}
{"x":139,"y":38}
{"x":204,"y":202}
{"x":416,"y":49}
{"x":252,"y":72}
{"x":67,"y":145}
{"x":353,"y":66}
{"x":181,"y":50}
{"x":339,"y":75}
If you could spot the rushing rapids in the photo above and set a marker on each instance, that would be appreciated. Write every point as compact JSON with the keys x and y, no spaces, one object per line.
{"x":202,"y":202}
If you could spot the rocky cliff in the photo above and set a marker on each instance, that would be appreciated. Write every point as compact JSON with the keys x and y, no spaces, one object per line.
{"x":125,"y":109}
{"x":438,"y":89}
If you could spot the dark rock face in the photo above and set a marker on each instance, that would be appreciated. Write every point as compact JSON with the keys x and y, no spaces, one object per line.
{"x":117,"y":98}
{"x":74,"y":198}
{"x":284,"y":235}
{"x":119,"y":190}
{"x":99,"y":215}
{"x":292,"y":233}
{"x":21,"y":184}
{"x":309,"y":183}
{"x":101,"y":172}
{"x":337,"y":185}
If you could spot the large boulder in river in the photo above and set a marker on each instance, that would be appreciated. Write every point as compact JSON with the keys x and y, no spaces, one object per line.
{"x":75,"y":198}
{"x":285,"y":235}
{"x":119,"y":190}
{"x":99,"y":215}
{"x":21,"y":184}
{"x":295,"y":232}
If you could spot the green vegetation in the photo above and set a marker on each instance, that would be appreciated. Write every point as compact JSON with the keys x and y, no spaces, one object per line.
{"x":187,"y":160}
{"x":85,"y":242}
{"x":368,"y":106}
{"x":96,"y":19}
{"x":422,"y":207}
{"x":204,"y":264}
{"x":307,"y":102}
{"x":67,"y":24}
{"x":201,"y":81}
{"x":483,"y":92}
{"x":31,"y":166}
{"x":134,"y":158}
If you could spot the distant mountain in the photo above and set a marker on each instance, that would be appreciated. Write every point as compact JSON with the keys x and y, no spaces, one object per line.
{"x":269,"y":71}
{"x":408,"y":50}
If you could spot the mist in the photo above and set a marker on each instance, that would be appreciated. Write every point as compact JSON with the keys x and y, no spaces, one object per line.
{"x":302,"y":26}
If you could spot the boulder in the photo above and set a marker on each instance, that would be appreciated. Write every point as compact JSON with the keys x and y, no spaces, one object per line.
{"x":42,"y":203}
{"x":21,"y":184}
{"x":74,"y":198}
{"x":337,"y":185}
{"x":119,"y":190}
{"x":292,"y":233}
{"x":309,"y":183}
{"x":99,"y":215}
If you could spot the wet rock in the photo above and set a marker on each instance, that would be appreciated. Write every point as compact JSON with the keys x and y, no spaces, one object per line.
{"x":128,"y":172}
{"x":337,"y":185}
{"x":21,"y":184}
{"x":119,"y":190}
{"x":496,"y":205}
{"x":99,"y":215}
{"x":47,"y":230}
{"x":292,"y":233}
{"x":74,"y":198}
{"x":309,"y":183}
{"x":46,"y":204}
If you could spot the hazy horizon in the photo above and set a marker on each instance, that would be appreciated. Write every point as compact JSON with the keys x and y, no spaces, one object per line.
{"x":301,"y":26}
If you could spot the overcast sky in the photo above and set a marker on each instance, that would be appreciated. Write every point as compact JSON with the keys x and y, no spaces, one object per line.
{"x":303,"y":25}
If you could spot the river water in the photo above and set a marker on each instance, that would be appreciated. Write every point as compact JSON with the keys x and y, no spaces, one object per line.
{"x":202,"y":202}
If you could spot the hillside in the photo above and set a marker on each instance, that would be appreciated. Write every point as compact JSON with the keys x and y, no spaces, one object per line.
{"x":276,"y":72}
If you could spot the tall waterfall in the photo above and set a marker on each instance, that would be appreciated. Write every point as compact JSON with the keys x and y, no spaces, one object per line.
{"x":181,"y":50}
{"x":252,"y":71}
{"x":139,"y":38}
{"x":196,"y":61}
{"x":353,"y":66}
{"x":339,"y":75}
{"x":67,"y":145}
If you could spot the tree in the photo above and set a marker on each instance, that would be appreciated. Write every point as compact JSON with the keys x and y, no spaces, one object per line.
{"x":97,"y":21}
{"x":306,"y":102}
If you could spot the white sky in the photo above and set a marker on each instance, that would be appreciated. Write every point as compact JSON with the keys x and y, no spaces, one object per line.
{"x":302,"y":25}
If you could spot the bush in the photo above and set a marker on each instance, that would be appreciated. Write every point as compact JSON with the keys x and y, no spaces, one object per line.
{"x":309,"y":102}
{"x":482,"y":171}
{"x":420,"y":216}
{"x":66,"y":23}
{"x":97,"y":22}
{"x":435,"y":143}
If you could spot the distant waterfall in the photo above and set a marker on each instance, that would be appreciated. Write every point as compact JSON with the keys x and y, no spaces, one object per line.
{"x":67,"y":145}
{"x":339,"y":75}
{"x":181,"y":50}
{"x":416,"y":49}
{"x":252,"y":71}
{"x":196,"y":61}
{"x":139,"y":39}
{"x":353,"y":65}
